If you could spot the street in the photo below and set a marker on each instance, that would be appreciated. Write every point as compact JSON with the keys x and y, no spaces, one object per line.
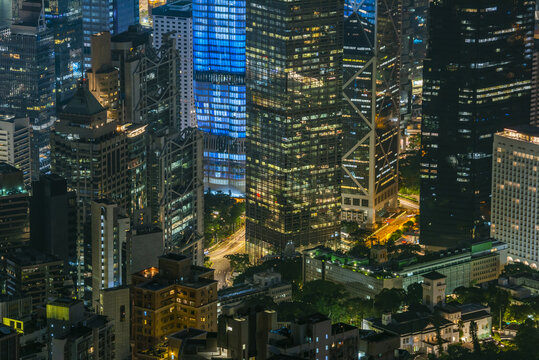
{"x":235,"y":244}
{"x":408,"y":204}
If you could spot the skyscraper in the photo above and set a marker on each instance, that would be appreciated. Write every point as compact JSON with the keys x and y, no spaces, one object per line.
{"x":14,"y":206}
{"x":102,"y":76}
{"x":477,"y":79}
{"x":91,"y":154}
{"x":175,"y":187}
{"x":114,"y":16}
{"x":53,"y":220}
{"x":27,"y":80}
{"x":15,"y":134}
{"x":371,"y":114}
{"x":64,"y":18}
{"x":515,"y":198}
{"x":219,"y":66}
{"x":176,"y":18}
{"x":294,"y":92}
{"x":110,"y":244}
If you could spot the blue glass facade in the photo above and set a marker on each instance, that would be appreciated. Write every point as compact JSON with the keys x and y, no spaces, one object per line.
{"x":219,"y":66}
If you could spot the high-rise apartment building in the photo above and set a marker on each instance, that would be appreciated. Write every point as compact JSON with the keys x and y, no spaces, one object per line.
{"x":219,"y":66}
{"x":110,"y":246}
{"x":91,"y":154}
{"x":515,"y":198}
{"x":114,"y":16}
{"x":371,"y":112}
{"x":14,"y":208}
{"x":176,"y":18}
{"x":102,"y":76}
{"x":186,"y":292}
{"x":294,"y":92}
{"x":15,"y":135}
{"x":27,"y":80}
{"x":477,"y":80}
{"x":53,"y":220}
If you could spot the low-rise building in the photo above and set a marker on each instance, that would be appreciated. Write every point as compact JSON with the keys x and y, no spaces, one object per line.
{"x":313,"y":337}
{"x":175,"y":296}
{"x":417,"y":329}
{"x":479,"y":263}
{"x":377,"y":345}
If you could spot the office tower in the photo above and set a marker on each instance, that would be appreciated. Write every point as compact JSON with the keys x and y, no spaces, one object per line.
{"x":91,"y":154}
{"x":110,"y":246}
{"x":33,"y":273}
{"x":176,"y":190}
{"x":76,"y":334}
{"x":176,"y":18}
{"x":514,"y":193}
{"x":9,"y":343}
{"x":114,"y":16}
{"x":27,"y":80}
{"x":127,"y":50}
{"x":137,"y":150}
{"x":149,"y":80}
{"x":294,"y":90}
{"x":64,"y":18}
{"x":371,"y":114}
{"x":413,"y":51}
{"x":477,"y":79}
{"x":189,"y":293}
{"x":53,"y":220}
{"x":15,"y":135}
{"x":534,"y":108}
{"x":219,"y":66}
{"x":102,"y":76}
{"x":114,"y":303}
{"x":14,"y":206}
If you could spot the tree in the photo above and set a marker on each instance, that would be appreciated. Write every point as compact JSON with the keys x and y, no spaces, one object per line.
{"x":359,"y":250}
{"x":527,"y":339}
{"x":475,"y":340}
{"x":238,"y":262}
{"x":414,"y":294}
{"x":207,"y":262}
{"x":389,"y":300}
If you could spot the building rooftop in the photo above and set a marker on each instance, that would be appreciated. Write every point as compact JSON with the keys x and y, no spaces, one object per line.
{"x":30,"y":256}
{"x":181,"y":9}
{"x":525,"y":133}
{"x":135,"y":34}
{"x":312,"y":319}
{"x":339,"y":328}
{"x":5,"y":331}
{"x":83,"y":103}
{"x":434,"y":275}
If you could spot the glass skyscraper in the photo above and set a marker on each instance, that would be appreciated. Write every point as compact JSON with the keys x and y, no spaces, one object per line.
{"x":477,"y":80}
{"x":371,"y":114}
{"x":219,"y":70}
{"x":294,"y":104}
{"x":113,"y":16}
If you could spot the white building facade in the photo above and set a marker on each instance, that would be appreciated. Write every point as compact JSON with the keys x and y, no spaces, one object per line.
{"x":515,"y":202}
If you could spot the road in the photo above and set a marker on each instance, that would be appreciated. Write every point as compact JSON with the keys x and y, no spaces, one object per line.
{"x":235,"y":244}
{"x":408,"y":204}
{"x":381,"y":234}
